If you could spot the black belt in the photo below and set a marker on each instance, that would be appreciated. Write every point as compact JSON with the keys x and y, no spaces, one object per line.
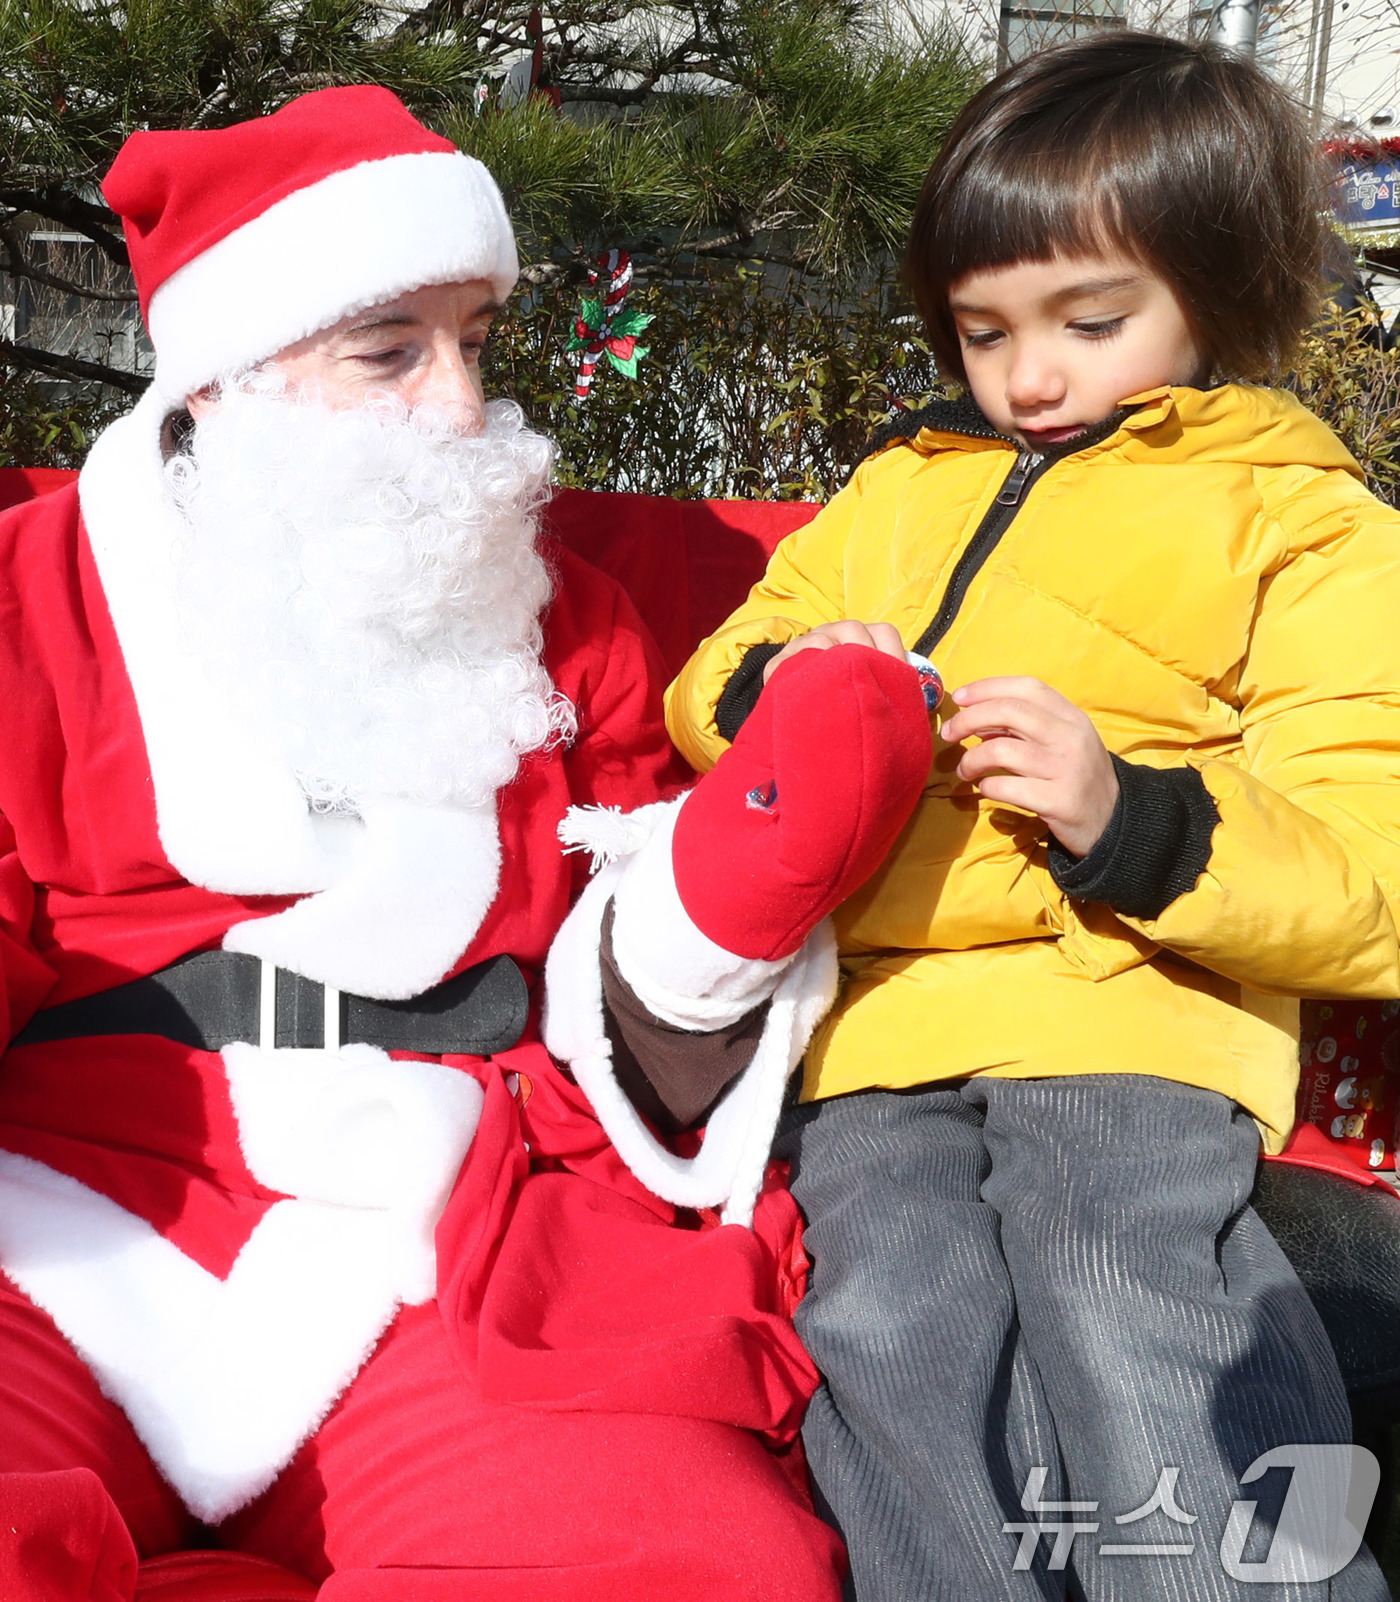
{"x":213,"y":998}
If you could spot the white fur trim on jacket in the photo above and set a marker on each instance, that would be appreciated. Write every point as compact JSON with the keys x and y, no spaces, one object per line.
{"x":362,"y":933}
{"x":728,"y":1170}
{"x":404,"y":891}
{"x":354,"y":240}
{"x":223,"y":1379}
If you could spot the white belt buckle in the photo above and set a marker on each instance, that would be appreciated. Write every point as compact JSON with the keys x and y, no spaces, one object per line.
{"x":332,"y":1040}
{"x":267,"y":1005}
{"x":267,"y":1011}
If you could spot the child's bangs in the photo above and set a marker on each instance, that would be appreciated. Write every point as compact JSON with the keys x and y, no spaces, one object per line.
{"x":1006,"y":212}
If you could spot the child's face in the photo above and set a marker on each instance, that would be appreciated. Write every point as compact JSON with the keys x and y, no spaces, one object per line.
{"x":1052,"y":347}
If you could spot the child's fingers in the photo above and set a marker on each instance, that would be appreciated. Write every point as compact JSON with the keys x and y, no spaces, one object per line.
{"x":1025,"y":758}
{"x":806,"y":642}
{"x":1077,"y":819}
{"x":1019,"y":790}
{"x":991,"y":717}
{"x":883,"y":637}
{"x":1018,"y":687}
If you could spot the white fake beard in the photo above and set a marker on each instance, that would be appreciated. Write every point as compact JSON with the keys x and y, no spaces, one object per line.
{"x":366,"y":585}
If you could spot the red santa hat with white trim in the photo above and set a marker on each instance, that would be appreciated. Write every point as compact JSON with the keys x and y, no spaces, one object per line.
{"x":246,"y":239}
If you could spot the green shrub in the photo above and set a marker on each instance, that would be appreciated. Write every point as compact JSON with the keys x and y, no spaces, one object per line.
{"x":757,"y":386}
{"x":1347,"y":380}
{"x":43,"y":424}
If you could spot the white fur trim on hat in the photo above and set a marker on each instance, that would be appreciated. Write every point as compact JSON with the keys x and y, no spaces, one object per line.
{"x":355,"y":239}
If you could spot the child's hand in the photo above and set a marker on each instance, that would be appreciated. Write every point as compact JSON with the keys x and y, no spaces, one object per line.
{"x":882,"y":636}
{"x":1038,"y":752}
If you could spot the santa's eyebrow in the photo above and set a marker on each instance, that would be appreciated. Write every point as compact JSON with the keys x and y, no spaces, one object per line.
{"x":376,"y":325}
{"x":373,"y":325}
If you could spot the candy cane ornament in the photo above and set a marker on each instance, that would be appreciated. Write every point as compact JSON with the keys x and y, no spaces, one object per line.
{"x":603,"y":327}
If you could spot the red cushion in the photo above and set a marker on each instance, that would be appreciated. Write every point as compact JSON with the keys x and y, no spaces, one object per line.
{"x":18,"y":484}
{"x":686,"y":564}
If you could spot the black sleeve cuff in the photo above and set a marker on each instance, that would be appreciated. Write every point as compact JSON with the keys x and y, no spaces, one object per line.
{"x":743,"y":690}
{"x":1156,"y":845}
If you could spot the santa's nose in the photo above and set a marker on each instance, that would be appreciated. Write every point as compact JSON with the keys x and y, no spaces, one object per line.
{"x":451,"y":386}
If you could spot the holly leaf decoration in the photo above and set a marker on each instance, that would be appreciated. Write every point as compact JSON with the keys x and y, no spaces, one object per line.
{"x":628,"y":368}
{"x":630,"y":323}
{"x":588,"y":325}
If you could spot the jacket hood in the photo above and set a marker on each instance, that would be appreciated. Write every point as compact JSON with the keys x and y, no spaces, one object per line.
{"x":1229,"y":423}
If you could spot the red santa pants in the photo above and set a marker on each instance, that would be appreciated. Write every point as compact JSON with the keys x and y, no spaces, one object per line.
{"x":415,"y":1487}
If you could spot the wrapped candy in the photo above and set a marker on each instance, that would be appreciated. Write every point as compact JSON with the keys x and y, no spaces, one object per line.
{"x":930,"y":679}
{"x":1349,"y":1081}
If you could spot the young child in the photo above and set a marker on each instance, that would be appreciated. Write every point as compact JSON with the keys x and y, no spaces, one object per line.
{"x":1165,"y":799}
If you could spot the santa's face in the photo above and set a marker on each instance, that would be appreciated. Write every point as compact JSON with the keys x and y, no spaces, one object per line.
{"x":422,"y":349}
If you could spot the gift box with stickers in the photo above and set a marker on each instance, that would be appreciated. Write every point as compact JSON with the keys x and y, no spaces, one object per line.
{"x":1349,"y":1085}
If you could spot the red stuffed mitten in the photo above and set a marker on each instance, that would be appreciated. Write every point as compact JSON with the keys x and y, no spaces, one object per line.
{"x":806,"y":803}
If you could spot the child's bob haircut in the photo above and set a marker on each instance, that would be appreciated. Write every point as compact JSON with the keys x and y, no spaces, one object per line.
{"x":1179,"y":155}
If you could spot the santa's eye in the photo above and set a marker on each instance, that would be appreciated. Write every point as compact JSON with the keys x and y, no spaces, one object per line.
{"x":380,"y":360}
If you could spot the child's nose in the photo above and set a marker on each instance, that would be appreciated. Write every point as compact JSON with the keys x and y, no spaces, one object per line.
{"x":1034,"y":380}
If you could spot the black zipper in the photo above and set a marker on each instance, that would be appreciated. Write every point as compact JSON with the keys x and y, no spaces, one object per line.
{"x":1028,"y":468}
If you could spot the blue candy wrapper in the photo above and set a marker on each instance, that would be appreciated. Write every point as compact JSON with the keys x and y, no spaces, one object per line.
{"x":930,"y":679}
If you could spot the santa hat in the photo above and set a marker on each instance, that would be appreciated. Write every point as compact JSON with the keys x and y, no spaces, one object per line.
{"x":246,"y":239}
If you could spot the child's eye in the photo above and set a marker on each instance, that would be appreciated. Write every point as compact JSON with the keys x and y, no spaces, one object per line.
{"x":982,"y":339}
{"x":1101,"y":328}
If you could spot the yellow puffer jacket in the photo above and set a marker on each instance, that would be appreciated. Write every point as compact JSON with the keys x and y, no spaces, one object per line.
{"x":1213,"y":585}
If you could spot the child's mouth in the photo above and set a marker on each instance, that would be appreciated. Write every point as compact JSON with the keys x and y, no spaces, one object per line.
{"x":1039,"y":438}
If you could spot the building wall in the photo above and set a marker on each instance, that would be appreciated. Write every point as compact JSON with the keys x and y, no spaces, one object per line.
{"x":1359,"y":80}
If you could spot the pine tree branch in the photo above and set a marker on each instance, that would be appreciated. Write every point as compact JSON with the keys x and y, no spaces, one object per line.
{"x":19,"y":267}
{"x":595,"y":94}
{"x":60,"y":206}
{"x":211,"y":107}
{"x":695,"y":55}
{"x":538,"y":273}
{"x":422,"y":22}
{"x":46,"y":361}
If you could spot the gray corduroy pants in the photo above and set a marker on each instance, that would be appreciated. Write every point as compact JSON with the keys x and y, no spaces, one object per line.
{"x":1053,"y":1290}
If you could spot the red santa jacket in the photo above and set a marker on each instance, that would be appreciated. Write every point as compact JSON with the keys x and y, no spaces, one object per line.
{"x":223,"y":1236}
{"x":88,"y":897}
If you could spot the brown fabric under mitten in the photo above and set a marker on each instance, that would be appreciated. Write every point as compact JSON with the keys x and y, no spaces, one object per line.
{"x":672,"y":1076}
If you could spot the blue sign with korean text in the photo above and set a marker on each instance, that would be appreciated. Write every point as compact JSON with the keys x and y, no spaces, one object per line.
{"x":1368,"y":193}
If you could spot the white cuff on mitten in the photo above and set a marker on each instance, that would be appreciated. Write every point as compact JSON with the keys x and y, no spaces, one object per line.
{"x":678,"y":973}
{"x":727,"y":1172}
